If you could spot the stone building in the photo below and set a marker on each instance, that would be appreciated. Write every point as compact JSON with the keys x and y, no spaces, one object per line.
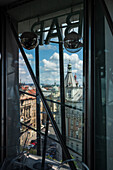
{"x":28,"y":110}
{"x":73,"y":98}
{"x":28,"y":114}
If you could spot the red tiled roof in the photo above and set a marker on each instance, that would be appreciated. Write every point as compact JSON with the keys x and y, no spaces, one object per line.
{"x":28,"y":98}
{"x":32,"y":91}
{"x":24,"y":88}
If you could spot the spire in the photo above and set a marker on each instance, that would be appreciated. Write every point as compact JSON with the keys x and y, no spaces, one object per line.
{"x":69,"y":67}
{"x":69,"y":79}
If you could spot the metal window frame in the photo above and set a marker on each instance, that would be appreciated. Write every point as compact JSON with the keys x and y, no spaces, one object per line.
{"x":55,"y":127}
{"x":38,"y":101}
{"x":4,"y":87}
{"x":88,"y":84}
{"x":88,"y":74}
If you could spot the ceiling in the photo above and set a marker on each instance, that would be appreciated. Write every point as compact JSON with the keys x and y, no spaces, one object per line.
{"x":22,"y":10}
{"x":7,"y":2}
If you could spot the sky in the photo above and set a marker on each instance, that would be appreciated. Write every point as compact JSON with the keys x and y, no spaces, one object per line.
{"x":49,"y":64}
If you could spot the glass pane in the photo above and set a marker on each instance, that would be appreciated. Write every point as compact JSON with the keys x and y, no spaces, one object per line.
{"x":28,"y":137}
{"x":10,"y":96}
{"x":24,"y":76}
{"x":50,"y":86}
{"x":49,"y":75}
{"x":73,"y":79}
{"x":109,"y":94}
{"x":73,"y":74}
{"x":103,"y":91}
{"x":49,"y":58}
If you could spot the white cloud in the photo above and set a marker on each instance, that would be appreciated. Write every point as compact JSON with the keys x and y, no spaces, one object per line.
{"x":23,"y":71}
{"x":55,"y":57}
{"x":73,"y":58}
{"x":48,"y":47}
{"x":50,"y":69}
{"x":29,"y":56}
{"x":49,"y":65}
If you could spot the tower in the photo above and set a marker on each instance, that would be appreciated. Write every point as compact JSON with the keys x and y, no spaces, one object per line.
{"x":70,"y":83}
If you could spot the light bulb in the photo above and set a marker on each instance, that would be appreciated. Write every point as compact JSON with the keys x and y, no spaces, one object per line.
{"x":28,"y":40}
{"x":73,"y":42}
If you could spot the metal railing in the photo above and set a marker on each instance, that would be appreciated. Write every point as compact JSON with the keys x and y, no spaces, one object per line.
{"x":23,"y":124}
{"x":49,"y":100}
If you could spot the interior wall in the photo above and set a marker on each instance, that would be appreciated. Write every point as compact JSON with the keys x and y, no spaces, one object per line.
{"x":12,"y":115}
{"x":10,"y":124}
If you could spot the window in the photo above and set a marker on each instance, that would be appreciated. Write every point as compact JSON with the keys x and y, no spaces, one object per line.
{"x":21,"y":111}
{"x":71,"y":144}
{"x":72,"y":133}
{"x":76,"y":134}
{"x":77,"y":122}
{"x":77,"y":114}
{"x":51,"y":84}
{"x":69,"y":93}
{"x":22,"y":101}
{"x":72,"y":122}
{"x":77,"y":147}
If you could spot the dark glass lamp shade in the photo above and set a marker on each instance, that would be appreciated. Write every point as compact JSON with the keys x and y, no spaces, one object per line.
{"x":28,"y":40}
{"x":73,"y":42}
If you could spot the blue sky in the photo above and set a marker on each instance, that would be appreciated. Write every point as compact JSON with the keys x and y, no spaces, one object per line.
{"x":49,"y":64}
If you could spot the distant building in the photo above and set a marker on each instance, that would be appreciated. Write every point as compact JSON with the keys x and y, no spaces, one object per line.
{"x":74,"y":98}
{"x":52,"y":93}
{"x":28,"y":109}
{"x":28,"y":113}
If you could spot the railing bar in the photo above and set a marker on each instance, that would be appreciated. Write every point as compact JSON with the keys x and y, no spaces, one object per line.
{"x":53,"y":101}
{"x":50,"y":138}
{"x":62,"y":95}
{"x":64,"y":104}
{"x":59,"y":102}
{"x":45,"y":143}
{"x":27,"y":93}
{"x":38,"y":100}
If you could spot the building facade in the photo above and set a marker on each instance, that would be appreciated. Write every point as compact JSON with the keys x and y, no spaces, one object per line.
{"x":28,"y":115}
{"x":73,"y":114}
